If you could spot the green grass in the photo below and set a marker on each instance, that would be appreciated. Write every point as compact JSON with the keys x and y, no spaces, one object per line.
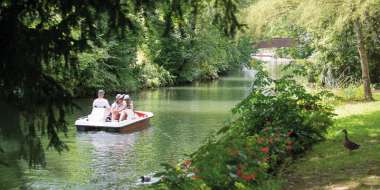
{"x":330,"y":166}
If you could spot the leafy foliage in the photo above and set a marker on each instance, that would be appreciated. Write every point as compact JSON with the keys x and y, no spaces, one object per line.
{"x":278,"y":120}
{"x":194,"y":49}
{"x":56,"y":50}
{"x":330,"y":33}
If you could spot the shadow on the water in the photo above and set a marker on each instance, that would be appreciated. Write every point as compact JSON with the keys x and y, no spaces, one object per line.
{"x":184,"y":117}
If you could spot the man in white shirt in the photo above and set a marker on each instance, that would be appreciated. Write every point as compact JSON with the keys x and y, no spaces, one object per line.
{"x":101,"y":102}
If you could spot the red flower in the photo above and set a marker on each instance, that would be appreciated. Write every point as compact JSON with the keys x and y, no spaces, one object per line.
{"x":195,"y":177}
{"x":289,"y":142}
{"x":238,"y":171}
{"x":265,"y":149}
{"x":234,"y":152}
{"x":249,"y":177}
{"x":290,"y":133}
{"x":186,"y":164}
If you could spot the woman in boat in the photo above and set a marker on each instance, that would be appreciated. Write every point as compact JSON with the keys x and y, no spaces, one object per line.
{"x":101,"y":102}
{"x":128,"y":113}
{"x":117,"y":107}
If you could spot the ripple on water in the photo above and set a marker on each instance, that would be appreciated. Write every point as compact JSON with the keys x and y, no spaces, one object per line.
{"x":184,"y":117}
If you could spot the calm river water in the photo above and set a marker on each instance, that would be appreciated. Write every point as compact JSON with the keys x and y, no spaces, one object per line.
{"x":184,"y":117}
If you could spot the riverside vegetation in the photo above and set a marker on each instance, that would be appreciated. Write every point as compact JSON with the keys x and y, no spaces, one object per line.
{"x":282,"y":133}
{"x":278,"y":120}
{"x":55,"y":51}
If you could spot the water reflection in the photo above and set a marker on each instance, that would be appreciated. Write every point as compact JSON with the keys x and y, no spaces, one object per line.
{"x":184,"y":117}
{"x":110,"y":157}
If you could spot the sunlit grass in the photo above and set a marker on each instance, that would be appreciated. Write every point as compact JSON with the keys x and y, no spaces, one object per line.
{"x":355,"y":108}
{"x":342,"y":96}
{"x":330,"y":166}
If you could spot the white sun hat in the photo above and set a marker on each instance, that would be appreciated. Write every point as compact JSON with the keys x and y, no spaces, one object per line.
{"x":126,"y":97}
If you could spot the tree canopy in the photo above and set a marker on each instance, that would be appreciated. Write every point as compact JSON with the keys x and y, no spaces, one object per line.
{"x":53,"y":51}
{"x":340,"y":35}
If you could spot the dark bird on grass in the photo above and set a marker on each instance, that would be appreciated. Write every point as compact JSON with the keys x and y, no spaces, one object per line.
{"x":145,"y":179}
{"x":349,"y":144}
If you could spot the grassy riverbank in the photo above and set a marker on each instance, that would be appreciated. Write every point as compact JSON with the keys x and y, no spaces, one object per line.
{"x":329,"y":166}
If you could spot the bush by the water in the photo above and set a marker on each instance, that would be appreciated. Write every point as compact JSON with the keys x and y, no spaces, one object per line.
{"x":278,"y":120}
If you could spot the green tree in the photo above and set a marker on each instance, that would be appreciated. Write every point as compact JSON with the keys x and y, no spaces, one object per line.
{"x":337,"y":15}
{"x":51,"y":47}
{"x":326,"y":23}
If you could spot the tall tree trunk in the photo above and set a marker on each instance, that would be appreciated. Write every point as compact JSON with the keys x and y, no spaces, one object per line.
{"x":364,"y":61}
{"x":194,"y":13}
{"x":193,"y":21}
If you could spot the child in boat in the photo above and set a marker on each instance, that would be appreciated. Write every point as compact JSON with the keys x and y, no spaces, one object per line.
{"x":101,"y":102}
{"x":117,"y":107}
{"x":128,"y":113}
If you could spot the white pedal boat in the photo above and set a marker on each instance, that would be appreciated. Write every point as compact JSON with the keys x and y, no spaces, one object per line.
{"x":96,"y":121}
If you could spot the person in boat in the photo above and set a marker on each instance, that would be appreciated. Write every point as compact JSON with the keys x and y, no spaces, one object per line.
{"x":128,"y":113}
{"x":128,"y":102}
{"x":101,"y":102}
{"x":117,"y":107}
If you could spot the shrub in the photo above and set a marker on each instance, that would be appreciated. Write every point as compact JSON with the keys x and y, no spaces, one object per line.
{"x":351,"y":92}
{"x":153,"y":76}
{"x":276,"y":121}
